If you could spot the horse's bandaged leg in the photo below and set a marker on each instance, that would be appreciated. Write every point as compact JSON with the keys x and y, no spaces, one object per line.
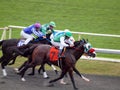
{"x":16,"y":70}
{"x":84,"y":78}
{"x":45,"y":75}
{"x":4,"y":72}
{"x":62,"y":81}
{"x":53,"y":67}
{"x":23,"y":79}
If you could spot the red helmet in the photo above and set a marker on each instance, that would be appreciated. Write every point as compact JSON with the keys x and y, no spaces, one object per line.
{"x":37,"y":25}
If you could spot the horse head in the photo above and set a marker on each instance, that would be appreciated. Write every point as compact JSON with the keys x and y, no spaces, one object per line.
{"x":87,"y":48}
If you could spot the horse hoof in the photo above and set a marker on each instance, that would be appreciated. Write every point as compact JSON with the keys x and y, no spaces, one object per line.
{"x":23,"y":79}
{"x":2,"y":82}
{"x":4,"y":77}
{"x":50,"y":85}
{"x":30,"y":74}
{"x":75,"y":88}
{"x":86,"y":79}
{"x":46,"y":77}
{"x":56,"y":71}
{"x":16,"y":70}
{"x":63,"y":83}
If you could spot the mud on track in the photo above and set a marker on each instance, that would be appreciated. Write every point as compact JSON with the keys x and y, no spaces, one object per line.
{"x":36,"y":82}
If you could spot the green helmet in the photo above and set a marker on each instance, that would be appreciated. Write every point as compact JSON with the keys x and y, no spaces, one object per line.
{"x":52,"y":24}
{"x":68,"y":34}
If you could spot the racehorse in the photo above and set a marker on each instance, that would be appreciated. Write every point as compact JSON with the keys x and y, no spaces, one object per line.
{"x":40,"y":56}
{"x":10,"y":51}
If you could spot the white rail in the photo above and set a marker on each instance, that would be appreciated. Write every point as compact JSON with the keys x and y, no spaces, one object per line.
{"x":101,"y":59}
{"x":100,"y":50}
{"x":109,"y":51}
{"x":96,"y":34}
{"x":4,"y":32}
{"x":93,"y":34}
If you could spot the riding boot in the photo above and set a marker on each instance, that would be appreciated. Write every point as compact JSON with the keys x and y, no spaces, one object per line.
{"x":60,"y":57}
{"x":60,"y":53}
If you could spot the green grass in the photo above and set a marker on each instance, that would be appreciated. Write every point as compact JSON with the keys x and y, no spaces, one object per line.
{"x":80,"y":15}
{"x":95,"y":16}
{"x":99,"y":67}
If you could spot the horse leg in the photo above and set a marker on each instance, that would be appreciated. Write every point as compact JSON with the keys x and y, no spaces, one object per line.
{"x":22,"y":72}
{"x":50,"y":64}
{"x":44,"y":72}
{"x":33,"y":71}
{"x":18,"y":52}
{"x":72,"y":78}
{"x":17,"y":70}
{"x":3,"y":64}
{"x":60,"y":77}
{"x":77,"y":72}
{"x":1,"y":59}
{"x":39,"y":70}
{"x":13,"y":60}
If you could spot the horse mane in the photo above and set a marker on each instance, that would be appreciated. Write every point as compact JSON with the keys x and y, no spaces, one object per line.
{"x":77,"y":43}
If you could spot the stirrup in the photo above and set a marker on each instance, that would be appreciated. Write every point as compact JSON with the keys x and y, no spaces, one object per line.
{"x":61,"y":56}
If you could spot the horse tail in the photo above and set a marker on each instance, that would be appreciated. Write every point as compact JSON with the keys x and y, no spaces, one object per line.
{"x":1,"y":42}
{"x":28,"y":51}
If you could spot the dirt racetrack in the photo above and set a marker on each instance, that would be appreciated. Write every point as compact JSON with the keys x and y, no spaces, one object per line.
{"x":36,"y":82}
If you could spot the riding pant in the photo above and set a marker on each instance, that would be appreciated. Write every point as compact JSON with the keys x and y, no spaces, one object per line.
{"x":61,"y":44}
{"x":28,"y":37}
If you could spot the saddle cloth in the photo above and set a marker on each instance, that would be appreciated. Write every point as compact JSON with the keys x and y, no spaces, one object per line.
{"x":20,"y":43}
{"x":53,"y":54}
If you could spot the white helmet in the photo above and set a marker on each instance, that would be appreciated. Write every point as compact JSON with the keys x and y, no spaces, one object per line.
{"x":67,"y":30}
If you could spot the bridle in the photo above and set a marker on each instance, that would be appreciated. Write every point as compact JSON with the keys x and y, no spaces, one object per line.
{"x":79,"y":48}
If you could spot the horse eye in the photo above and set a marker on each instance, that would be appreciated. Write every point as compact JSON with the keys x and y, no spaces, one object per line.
{"x":88,"y":46}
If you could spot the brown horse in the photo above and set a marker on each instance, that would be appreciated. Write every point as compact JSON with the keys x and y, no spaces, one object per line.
{"x":10,"y":51}
{"x":40,"y":56}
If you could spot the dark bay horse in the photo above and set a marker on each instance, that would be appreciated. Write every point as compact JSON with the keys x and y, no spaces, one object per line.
{"x":10,"y":51}
{"x":40,"y":56}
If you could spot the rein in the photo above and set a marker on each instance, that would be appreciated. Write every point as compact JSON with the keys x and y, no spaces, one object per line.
{"x":78,"y":49}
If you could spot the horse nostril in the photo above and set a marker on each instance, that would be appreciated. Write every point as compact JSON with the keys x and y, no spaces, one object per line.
{"x":94,"y":55}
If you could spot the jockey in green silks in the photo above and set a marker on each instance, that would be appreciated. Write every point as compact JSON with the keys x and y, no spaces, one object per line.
{"x":48,"y":28}
{"x":62,"y":39}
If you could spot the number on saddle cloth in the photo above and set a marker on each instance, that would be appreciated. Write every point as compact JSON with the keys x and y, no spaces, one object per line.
{"x":53,"y":54}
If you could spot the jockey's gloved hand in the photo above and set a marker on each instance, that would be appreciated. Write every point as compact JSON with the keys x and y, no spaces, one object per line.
{"x":71,"y":45}
{"x":41,"y":36}
{"x":44,"y":36}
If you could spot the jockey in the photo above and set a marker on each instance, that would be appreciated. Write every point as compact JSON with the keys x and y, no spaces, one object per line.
{"x":31,"y":32}
{"x":71,"y":38}
{"x":66,"y":30}
{"x":62,"y":39}
{"x":48,"y":28}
